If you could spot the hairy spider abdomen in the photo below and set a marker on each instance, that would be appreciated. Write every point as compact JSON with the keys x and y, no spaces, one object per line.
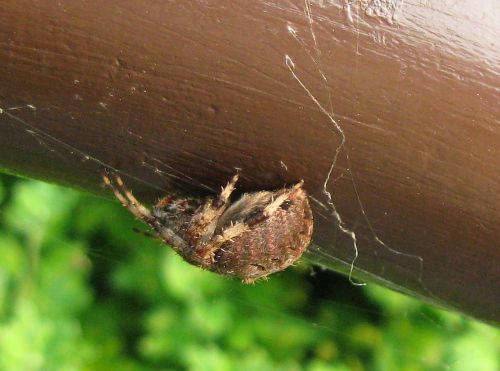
{"x":271,"y":244}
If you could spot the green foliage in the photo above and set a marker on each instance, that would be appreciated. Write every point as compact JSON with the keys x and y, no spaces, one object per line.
{"x":79,"y":290}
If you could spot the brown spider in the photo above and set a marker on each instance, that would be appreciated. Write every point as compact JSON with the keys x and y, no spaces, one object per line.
{"x":259,"y":234}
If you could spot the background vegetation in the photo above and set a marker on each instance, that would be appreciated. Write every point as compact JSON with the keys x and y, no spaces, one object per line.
{"x":79,"y":290}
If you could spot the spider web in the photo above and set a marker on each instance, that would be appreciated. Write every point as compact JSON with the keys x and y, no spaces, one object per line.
{"x":314,"y":54}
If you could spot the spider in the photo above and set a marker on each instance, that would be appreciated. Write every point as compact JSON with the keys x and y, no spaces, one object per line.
{"x":259,"y":234}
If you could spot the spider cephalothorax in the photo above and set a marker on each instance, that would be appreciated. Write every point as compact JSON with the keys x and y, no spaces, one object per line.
{"x":259,"y":234}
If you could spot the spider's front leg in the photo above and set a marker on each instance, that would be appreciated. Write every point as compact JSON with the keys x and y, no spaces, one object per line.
{"x":127,"y":199}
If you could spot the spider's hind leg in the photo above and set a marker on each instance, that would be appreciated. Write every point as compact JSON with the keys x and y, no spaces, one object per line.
{"x":272,"y":207}
{"x":276,"y":204}
{"x":213,"y":209}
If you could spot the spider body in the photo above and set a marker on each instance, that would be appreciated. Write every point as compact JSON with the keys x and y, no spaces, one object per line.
{"x":259,"y":234}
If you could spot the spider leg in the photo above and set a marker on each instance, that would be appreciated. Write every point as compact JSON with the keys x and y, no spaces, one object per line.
{"x":127,"y":199}
{"x":207,"y":251}
{"x":123,"y":194}
{"x":164,"y":202}
{"x":273,"y":206}
{"x":145,"y":233}
{"x":223,"y":197}
{"x":231,"y":232}
{"x":211,"y":211}
{"x":143,"y":212}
